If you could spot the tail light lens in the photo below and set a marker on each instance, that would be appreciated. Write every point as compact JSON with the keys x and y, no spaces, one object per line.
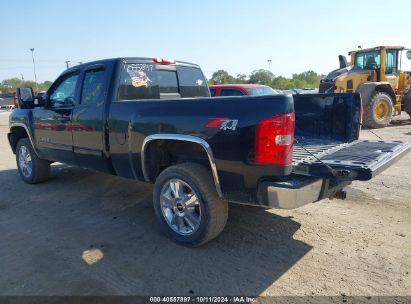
{"x":274,"y":140}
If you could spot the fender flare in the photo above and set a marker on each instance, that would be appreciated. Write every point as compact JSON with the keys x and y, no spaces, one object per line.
{"x":187,"y":138}
{"x":367,"y":89}
{"x":19,"y":124}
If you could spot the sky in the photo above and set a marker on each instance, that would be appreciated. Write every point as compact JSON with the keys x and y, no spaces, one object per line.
{"x":236,"y":35}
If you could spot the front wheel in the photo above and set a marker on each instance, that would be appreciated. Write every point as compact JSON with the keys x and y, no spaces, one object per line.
{"x":378,"y":111}
{"x":187,"y":205}
{"x":31,"y":168}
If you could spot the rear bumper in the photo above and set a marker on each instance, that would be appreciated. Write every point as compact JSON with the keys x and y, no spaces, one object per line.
{"x":297,"y":192}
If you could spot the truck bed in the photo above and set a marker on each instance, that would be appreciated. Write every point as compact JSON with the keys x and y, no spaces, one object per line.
{"x":326,"y":140}
{"x":324,"y":123}
{"x":358,"y":160}
{"x":308,"y":149}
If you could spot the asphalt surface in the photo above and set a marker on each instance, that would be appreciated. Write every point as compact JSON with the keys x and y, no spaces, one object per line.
{"x":86,"y":233}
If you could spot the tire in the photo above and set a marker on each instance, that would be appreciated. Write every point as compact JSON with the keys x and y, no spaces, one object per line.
{"x":206,"y":212}
{"x":31,"y":168}
{"x":378,"y":111}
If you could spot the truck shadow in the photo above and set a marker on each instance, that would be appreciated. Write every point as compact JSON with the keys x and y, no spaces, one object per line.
{"x":93,"y":234}
{"x":396,"y":123}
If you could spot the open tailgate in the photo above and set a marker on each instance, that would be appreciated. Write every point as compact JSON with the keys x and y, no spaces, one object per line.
{"x":358,"y":160}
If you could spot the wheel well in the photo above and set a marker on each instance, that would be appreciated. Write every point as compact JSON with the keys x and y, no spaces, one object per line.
{"x":367,"y":91}
{"x":386,"y":89}
{"x":163,"y":153}
{"x":16,"y":133}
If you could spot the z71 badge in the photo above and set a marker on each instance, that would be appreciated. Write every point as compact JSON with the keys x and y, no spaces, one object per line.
{"x":222,"y":123}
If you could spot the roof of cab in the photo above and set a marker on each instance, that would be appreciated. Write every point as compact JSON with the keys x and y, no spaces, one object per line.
{"x":376,"y":48}
{"x":125,"y":60}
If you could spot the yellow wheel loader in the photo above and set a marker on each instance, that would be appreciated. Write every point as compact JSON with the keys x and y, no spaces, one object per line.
{"x":382,"y":75}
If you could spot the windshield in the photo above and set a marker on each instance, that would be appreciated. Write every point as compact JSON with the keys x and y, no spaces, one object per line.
{"x":368,"y":60}
{"x":405,"y":60}
{"x":258,"y":91}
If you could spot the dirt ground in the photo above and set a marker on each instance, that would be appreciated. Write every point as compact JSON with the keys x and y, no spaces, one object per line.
{"x":86,"y":233}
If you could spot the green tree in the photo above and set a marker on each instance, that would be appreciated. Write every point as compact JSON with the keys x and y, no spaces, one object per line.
{"x":241,"y":78}
{"x":10,"y":85}
{"x":308,"y":79}
{"x":261,"y":77}
{"x":221,"y":77}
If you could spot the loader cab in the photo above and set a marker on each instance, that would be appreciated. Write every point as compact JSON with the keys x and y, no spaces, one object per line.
{"x":383,"y":63}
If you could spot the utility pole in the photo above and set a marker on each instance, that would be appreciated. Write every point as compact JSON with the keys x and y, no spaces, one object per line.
{"x":269,"y":64}
{"x":34,"y":66}
{"x":67,"y":63}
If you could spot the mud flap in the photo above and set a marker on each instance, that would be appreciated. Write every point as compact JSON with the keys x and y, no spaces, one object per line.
{"x":359,"y":160}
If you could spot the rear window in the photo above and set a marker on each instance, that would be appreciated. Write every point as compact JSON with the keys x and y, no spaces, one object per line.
{"x":231,"y":92}
{"x":192,"y":82}
{"x":138,"y":81}
{"x":144,"y":81}
{"x":167,"y":81}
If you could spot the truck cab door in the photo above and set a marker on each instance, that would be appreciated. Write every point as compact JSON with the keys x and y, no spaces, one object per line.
{"x":52,"y":123}
{"x":88,"y":119}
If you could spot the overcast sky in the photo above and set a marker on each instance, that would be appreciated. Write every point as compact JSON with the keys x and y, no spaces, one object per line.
{"x":238,"y":36}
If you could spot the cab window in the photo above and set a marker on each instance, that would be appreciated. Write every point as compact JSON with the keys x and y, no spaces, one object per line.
{"x":138,"y":81}
{"x":64,"y":93}
{"x":192,"y":82}
{"x":231,"y":92}
{"x":391,"y":62}
{"x":368,"y":60}
{"x":167,"y":81}
{"x":93,"y":87}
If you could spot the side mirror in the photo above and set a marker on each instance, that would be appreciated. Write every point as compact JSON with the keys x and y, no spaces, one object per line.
{"x":408,"y":54}
{"x":25,"y":99}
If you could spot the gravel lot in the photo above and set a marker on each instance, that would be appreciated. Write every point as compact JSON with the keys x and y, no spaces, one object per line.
{"x":86,"y":233}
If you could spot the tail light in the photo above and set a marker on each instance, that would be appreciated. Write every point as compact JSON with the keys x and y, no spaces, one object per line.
{"x":274,"y":140}
{"x":163,"y":61}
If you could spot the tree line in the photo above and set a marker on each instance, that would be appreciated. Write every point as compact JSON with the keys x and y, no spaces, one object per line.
{"x":307,"y":79}
{"x":10,"y":85}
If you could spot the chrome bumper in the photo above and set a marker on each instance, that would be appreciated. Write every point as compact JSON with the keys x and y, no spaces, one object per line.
{"x":293,"y":193}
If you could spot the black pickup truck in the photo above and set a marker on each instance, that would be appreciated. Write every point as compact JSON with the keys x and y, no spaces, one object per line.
{"x":153,"y":120}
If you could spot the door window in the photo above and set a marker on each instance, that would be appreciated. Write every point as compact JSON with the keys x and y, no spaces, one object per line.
{"x":93,"y":87}
{"x":391,"y":62}
{"x":63,"y":95}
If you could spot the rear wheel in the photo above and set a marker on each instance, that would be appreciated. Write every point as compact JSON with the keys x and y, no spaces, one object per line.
{"x":187,"y":205}
{"x":378,"y":111}
{"x":31,"y":168}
